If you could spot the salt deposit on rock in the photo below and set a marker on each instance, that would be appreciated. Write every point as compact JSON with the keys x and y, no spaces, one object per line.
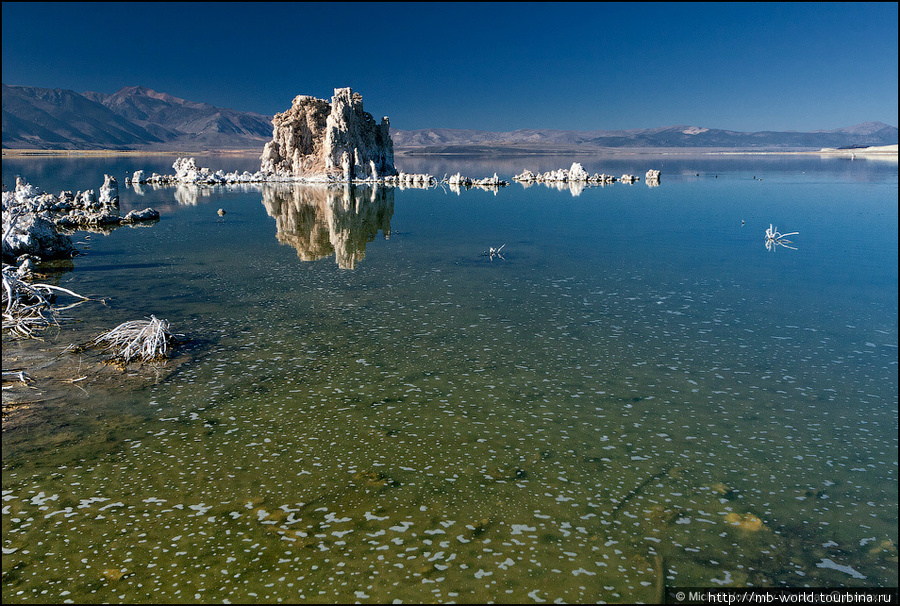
{"x":458,"y":181}
{"x":187,"y":172}
{"x":32,"y":235}
{"x":576,"y":174}
{"x":137,"y":216}
{"x":317,"y":140}
{"x":526,"y":176}
{"x":32,"y":219}
{"x":416,"y":180}
{"x":109,"y":192}
{"x":26,"y":227}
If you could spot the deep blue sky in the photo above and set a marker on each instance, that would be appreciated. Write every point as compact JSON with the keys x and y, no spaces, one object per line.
{"x":503,"y":66}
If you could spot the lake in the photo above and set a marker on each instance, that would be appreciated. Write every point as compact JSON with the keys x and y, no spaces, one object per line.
{"x":635,"y":394}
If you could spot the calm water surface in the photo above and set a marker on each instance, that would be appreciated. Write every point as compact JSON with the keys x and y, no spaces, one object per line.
{"x":637,"y":395}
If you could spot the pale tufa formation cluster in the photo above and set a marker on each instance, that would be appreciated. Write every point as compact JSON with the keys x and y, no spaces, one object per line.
{"x":577,"y":174}
{"x":316,"y":139}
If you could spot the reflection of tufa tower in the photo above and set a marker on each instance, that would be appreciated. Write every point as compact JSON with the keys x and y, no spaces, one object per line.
{"x":335,"y":140}
{"x":319,"y":221}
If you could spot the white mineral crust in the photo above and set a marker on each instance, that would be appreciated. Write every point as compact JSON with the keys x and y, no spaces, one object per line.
{"x":337,"y":141}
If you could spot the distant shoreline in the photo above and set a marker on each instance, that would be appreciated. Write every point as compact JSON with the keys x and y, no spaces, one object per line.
{"x":883,"y":151}
{"x":47,"y":153}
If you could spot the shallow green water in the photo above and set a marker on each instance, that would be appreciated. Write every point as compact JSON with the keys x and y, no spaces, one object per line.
{"x":637,"y":394}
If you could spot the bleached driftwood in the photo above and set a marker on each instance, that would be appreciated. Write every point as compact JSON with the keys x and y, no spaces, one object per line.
{"x":137,"y":340}
{"x":493,"y":252}
{"x":21,"y":375}
{"x":775,"y":238}
{"x":28,"y":307}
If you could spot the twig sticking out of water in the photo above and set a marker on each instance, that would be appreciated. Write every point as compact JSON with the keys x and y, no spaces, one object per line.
{"x":28,"y":307}
{"x":493,"y":252}
{"x":21,"y":375}
{"x":775,"y":238}
{"x":142,"y":340}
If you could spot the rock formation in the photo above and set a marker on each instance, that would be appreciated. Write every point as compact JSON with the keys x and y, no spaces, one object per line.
{"x":577,"y":174}
{"x":34,"y":236}
{"x":187,"y":173}
{"x":337,"y":141}
{"x":32,"y":219}
{"x":109,"y":192}
{"x":457,"y":182}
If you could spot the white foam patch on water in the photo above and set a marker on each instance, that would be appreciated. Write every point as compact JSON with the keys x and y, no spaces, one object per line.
{"x":827,"y":563}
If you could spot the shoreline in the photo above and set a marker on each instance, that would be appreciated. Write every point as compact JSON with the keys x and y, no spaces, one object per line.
{"x":885,"y":152}
{"x":55,"y":153}
{"x":879,"y":151}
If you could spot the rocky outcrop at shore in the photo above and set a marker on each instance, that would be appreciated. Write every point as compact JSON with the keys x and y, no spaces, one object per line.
{"x":576,"y":174}
{"x":458,"y":181}
{"x":29,"y":237}
{"x":315,"y":139}
{"x":34,"y":221}
{"x":188,"y":173}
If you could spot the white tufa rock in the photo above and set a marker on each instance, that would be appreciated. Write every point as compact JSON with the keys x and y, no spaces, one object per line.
{"x":337,"y":141}
{"x":577,"y":173}
{"x":36,"y":236}
{"x":138,"y":216}
{"x":32,"y":218}
{"x":109,"y":192}
{"x":26,"y":231}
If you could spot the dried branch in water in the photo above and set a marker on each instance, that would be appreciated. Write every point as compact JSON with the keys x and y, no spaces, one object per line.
{"x":775,"y":238}
{"x":137,"y":340}
{"x":29,"y":307}
{"x":493,"y":252}
{"x":21,"y":375}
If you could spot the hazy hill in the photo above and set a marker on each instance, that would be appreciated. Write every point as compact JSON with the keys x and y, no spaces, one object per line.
{"x":133,"y":118}
{"x":139,"y":118}
{"x":537,"y":141}
{"x":62,"y":119}
{"x":180,"y":121}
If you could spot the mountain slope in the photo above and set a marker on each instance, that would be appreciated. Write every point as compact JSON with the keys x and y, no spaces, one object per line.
{"x":188,"y":120}
{"x":139,"y":118}
{"x":60,"y":119}
{"x":132,"y":118}
{"x":459,"y":141}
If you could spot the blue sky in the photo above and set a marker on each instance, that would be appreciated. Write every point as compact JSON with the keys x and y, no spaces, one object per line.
{"x":488,"y":66}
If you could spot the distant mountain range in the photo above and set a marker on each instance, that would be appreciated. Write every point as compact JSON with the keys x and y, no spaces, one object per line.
{"x":538,"y":141}
{"x":135,"y":118}
{"x":138,"y":118}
